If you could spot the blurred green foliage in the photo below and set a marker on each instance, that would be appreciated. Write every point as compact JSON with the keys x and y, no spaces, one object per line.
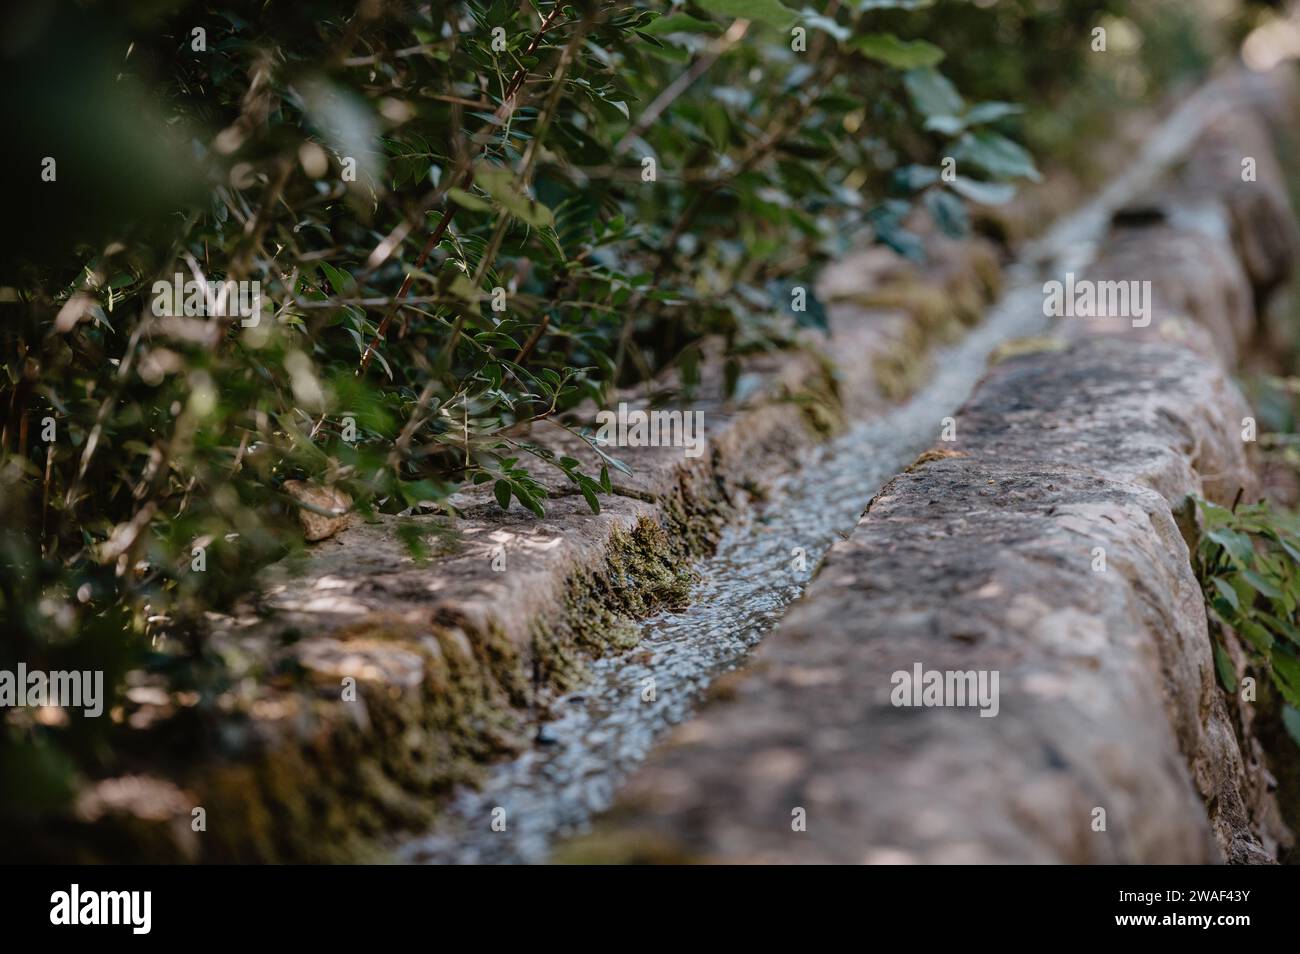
{"x":1248,"y":561}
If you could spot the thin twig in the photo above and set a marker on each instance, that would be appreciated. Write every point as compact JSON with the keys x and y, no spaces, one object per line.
{"x":466,"y":179}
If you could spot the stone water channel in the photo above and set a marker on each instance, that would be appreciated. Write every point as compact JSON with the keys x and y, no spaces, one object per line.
{"x":607,"y":728}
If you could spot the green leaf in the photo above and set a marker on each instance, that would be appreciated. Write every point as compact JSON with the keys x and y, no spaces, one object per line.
{"x":502,"y":491}
{"x":951,"y":125}
{"x":1256,"y":635}
{"x":525,"y":497}
{"x":1228,"y":593}
{"x":824,"y":23}
{"x":1283,"y":626}
{"x":1291,"y":719}
{"x":948,"y":212}
{"x":340,"y":281}
{"x":864,"y":5}
{"x":996,"y":155}
{"x":945,"y":125}
{"x":608,"y":458}
{"x":493,"y":338}
{"x":689,"y":365}
{"x":589,"y":490}
{"x":1215,"y":516}
{"x":887,"y":221}
{"x":679,"y":23}
{"x":730,"y":376}
{"x":988,"y":112}
{"x":914,"y":177}
{"x":1286,"y":675}
{"x":900,"y":54}
{"x":1262,"y":585}
{"x":1221,"y":611}
{"x":1237,"y":544}
{"x":463,"y":288}
{"x":499,"y":182}
{"x":932,"y":93}
{"x":420,"y":491}
{"x":769,"y":12}
{"x":469,"y":201}
{"x":983,"y":193}
{"x":1227,"y":672}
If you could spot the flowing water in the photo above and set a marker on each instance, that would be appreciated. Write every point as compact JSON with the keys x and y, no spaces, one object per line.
{"x":608,"y":727}
{"x":605,"y":730}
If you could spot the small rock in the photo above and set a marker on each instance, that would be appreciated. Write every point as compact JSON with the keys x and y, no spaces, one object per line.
{"x":320,"y":526}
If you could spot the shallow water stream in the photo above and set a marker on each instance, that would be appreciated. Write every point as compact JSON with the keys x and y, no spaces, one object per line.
{"x":606,"y":729}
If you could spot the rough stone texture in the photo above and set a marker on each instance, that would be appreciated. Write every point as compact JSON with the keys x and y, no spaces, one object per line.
{"x":888,"y":313}
{"x":1202,"y":297}
{"x":984,"y":561}
{"x":322,"y":512}
{"x":983,"y":557}
{"x":1261,"y":226}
